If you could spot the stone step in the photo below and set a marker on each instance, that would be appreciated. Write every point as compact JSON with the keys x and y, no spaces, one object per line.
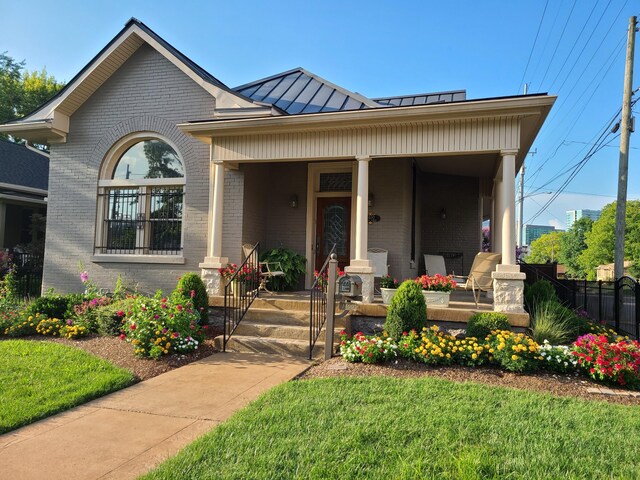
{"x":291,"y":332}
{"x":284,"y":317}
{"x":274,"y":346}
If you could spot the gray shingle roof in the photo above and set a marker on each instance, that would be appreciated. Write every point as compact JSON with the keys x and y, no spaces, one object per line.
{"x":21,"y":166}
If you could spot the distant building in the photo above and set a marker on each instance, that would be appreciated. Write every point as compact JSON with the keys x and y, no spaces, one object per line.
{"x":533,"y":232}
{"x":573,"y":215}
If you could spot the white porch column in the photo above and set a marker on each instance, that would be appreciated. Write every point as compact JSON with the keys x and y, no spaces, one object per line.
{"x":508,"y":281}
{"x":498,"y":207}
{"x":214,"y":260}
{"x":360,"y":265}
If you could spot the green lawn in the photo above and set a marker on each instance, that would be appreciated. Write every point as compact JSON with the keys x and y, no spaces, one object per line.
{"x":38,"y":379}
{"x":386,"y":428}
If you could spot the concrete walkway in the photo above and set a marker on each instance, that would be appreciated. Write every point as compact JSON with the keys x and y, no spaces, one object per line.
{"x":125,"y":434}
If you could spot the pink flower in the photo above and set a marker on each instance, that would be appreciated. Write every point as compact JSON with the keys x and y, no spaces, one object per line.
{"x":179,"y":307}
{"x":176,"y":334}
{"x":122,"y":336}
{"x":120,"y":313}
{"x":84,"y":276}
{"x":193,"y":294}
{"x":133,"y":327}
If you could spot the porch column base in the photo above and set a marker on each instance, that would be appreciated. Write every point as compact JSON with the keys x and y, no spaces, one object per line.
{"x":508,"y":289}
{"x":365,"y":271}
{"x":211,"y":277}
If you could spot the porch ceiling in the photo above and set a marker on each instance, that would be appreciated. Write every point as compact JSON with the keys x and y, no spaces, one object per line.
{"x":480,"y":165}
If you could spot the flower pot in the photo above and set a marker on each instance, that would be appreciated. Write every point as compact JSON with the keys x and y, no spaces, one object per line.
{"x":436,"y":299}
{"x":387,"y":294}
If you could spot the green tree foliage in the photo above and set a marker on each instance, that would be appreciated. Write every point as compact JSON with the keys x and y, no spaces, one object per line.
{"x":22,"y":91}
{"x":547,"y":248}
{"x":572,"y":244}
{"x":407,"y":310}
{"x":600,"y":240}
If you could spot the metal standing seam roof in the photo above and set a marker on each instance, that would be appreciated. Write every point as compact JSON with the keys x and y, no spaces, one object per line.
{"x":22,"y":167}
{"x":300,"y":91}
{"x":423,"y":98}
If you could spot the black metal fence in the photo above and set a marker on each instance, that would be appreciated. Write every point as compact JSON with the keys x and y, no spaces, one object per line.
{"x":240,"y":292}
{"x":616,"y":303}
{"x":28,"y":274}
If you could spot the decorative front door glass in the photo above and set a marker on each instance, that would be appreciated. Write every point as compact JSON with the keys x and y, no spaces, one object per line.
{"x":333,"y":228}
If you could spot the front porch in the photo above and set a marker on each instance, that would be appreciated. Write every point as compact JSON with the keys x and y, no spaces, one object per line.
{"x":461,"y":307}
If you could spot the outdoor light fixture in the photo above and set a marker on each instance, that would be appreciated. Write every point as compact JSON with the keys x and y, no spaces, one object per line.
{"x":370,"y":203}
{"x":293,"y":201}
{"x":373,"y":218}
{"x":443,"y":214}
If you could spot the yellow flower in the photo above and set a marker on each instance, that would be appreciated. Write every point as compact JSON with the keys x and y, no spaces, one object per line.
{"x":514,"y":357}
{"x":474,"y":356}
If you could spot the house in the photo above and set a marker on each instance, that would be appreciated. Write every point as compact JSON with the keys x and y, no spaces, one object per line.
{"x":158,"y":168}
{"x":24,"y":179}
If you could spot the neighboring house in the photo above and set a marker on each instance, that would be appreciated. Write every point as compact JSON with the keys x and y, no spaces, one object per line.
{"x":606,"y":272}
{"x":24,"y":179}
{"x":158,"y":168}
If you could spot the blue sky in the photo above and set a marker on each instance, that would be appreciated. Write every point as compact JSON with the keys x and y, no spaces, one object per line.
{"x":386,"y":48}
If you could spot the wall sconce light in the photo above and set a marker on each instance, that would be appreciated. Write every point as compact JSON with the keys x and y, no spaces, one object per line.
{"x":293,"y":201}
{"x":443,"y":214}
{"x":373,"y":218}
{"x":370,"y":202}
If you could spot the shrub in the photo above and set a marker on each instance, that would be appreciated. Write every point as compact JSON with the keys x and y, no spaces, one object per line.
{"x":367,"y":349}
{"x":109,"y":319}
{"x":53,"y":305}
{"x":481,"y":324}
{"x":438,"y":348}
{"x":24,"y":325}
{"x":190,"y":284}
{"x":159,"y":326}
{"x":71,"y":330}
{"x":540,"y":292}
{"x":553,"y":322}
{"x":514,"y":351}
{"x":617,"y":362}
{"x":293,"y":265}
{"x":407,"y":310}
{"x":86,"y":313}
{"x":10,"y":313}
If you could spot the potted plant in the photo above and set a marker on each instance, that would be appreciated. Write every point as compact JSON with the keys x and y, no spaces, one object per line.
{"x":388,"y":288}
{"x":243,"y":276}
{"x":436,"y":289}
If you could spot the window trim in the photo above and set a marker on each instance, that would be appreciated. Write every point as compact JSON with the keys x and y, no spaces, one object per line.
{"x":106,"y":182}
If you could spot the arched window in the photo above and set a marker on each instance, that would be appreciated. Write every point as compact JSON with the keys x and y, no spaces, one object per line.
{"x":141,"y":198}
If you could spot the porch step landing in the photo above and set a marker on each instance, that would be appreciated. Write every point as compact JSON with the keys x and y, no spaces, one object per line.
{"x":268,"y":328}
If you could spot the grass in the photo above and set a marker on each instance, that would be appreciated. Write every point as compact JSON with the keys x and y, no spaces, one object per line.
{"x":39,"y":379}
{"x":381,"y":428}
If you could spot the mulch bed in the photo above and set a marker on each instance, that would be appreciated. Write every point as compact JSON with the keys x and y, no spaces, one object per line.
{"x":120,"y":353}
{"x":560,"y":385}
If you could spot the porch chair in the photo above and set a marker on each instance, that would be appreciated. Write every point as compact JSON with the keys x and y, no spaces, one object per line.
{"x":434,"y":264}
{"x":267,"y":270}
{"x":378,"y":257}
{"x":479,"y":278}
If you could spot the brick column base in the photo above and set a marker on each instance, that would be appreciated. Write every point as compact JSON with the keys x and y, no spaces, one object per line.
{"x":508,"y":289}
{"x":366,"y":274}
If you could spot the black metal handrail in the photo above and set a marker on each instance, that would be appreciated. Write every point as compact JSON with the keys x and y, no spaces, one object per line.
{"x":318,"y":304}
{"x":240,"y":292}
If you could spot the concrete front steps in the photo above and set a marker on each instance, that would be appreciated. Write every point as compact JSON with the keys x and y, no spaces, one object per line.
{"x":277,"y":326}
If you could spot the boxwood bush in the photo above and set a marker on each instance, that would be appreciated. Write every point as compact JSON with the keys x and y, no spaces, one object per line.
{"x":191,"y":282}
{"x":481,"y":324}
{"x":407,"y":310}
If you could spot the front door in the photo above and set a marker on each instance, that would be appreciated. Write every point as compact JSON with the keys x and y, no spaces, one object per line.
{"x":333,"y":227}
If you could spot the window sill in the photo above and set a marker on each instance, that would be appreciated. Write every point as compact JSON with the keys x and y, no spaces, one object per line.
{"x":119,"y":258}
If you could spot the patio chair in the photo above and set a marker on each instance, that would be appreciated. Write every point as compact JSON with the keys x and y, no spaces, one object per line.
{"x":479,"y":278}
{"x":434,"y":264}
{"x":378,"y":257}
{"x":268,"y":270}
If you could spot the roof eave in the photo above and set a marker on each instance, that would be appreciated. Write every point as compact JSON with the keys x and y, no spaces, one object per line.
{"x":40,"y":132}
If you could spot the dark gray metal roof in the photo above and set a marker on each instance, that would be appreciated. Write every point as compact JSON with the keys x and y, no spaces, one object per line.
{"x":24,"y":167}
{"x":300,"y":91}
{"x":423,"y":98}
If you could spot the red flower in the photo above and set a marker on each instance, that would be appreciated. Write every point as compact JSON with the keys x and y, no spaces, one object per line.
{"x":132,"y":327}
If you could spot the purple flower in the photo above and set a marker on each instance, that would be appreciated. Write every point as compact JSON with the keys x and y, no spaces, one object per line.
{"x":164,"y":330}
{"x":84,"y":276}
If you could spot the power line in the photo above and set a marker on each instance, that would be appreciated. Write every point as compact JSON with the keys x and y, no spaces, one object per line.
{"x":534,"y":46}
{"x":555,"y":50}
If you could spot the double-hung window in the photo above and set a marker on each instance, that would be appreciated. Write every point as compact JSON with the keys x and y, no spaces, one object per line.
{"x":140,"y":202}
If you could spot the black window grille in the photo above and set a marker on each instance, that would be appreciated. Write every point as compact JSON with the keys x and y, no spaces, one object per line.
{"x":144,"y":220}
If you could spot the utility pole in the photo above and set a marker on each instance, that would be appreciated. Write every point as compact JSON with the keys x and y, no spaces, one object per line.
{"x":623,"y":168}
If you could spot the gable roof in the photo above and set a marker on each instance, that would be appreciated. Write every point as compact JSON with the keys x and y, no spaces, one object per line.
{"x":300,"y":91}
{"x":52,"y":118}
{"x":22,"y":167}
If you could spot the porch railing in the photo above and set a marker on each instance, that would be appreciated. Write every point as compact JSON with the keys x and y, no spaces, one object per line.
{"x":318,"y":303}
{"x":240,"y":292}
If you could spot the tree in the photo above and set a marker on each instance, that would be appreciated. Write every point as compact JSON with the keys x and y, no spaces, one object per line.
{"x":600,"y":240}
{"x":546,"y":249}
{"x":572,"y":244}
{"x":22,"y":91}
